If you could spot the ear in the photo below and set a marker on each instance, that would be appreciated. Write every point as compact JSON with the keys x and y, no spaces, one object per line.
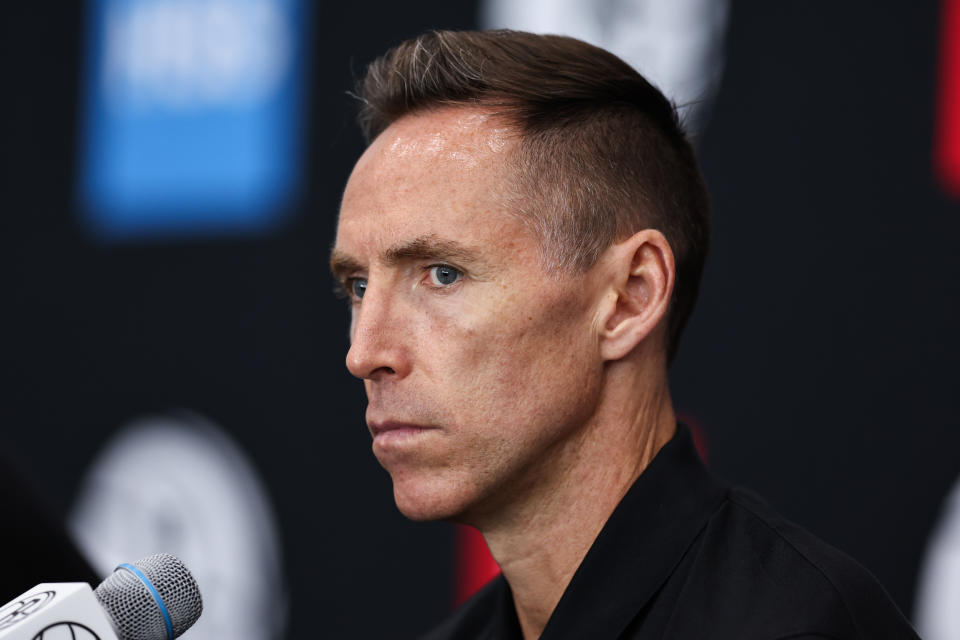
{"x":641,"y":285}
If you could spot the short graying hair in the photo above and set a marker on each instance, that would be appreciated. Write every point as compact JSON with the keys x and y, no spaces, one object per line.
{"x":602,"y":153}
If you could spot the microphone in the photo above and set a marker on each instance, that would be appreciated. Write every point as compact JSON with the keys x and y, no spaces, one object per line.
{"x":155,"y":598}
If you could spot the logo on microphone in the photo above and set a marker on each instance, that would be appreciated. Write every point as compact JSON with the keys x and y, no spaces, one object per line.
{"x":66,"y":630}
{"x":16,"y":611}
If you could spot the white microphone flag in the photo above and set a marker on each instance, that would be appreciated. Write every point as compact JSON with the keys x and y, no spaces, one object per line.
{"x":56,"y":611}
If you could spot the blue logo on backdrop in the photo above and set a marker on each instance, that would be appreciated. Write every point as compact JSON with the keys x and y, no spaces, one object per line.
{"x":192,"y":115}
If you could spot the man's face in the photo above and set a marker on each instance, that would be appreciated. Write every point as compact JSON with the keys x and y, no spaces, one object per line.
{"x":480,"y":366}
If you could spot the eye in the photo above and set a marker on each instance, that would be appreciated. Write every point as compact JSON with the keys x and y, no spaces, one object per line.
{"x":442,"y":275}
{"x":357,"y":287}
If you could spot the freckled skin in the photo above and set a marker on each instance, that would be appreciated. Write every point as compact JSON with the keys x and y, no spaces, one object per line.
{"x":502,"y":364}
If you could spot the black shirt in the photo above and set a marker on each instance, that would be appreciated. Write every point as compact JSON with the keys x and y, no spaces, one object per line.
{"x":685,"y":556}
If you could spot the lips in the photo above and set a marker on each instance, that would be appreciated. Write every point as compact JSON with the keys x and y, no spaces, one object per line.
{"x":396,"y":429}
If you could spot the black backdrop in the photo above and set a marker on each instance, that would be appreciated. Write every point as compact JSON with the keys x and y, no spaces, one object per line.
{"x":820,"y":362}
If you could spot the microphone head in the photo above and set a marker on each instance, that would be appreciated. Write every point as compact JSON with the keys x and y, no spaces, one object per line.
{"x":155,"y":598}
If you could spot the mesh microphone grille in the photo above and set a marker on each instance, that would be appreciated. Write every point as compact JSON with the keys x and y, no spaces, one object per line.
{"x":133,"y":608}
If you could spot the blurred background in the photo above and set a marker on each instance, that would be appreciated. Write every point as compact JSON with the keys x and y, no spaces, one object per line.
{"x":173,"y":353}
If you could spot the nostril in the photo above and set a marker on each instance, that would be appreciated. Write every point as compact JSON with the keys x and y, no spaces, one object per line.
{"x":377,"y":348}
{"x":381,"y":372}
{"x":369,"y":363}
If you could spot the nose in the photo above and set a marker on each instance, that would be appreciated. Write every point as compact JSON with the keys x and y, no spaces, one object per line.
{"x":377,"y":349}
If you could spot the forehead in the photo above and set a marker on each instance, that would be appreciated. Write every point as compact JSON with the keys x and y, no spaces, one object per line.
{"x":460,"y":134}
{"x":442,"y":173}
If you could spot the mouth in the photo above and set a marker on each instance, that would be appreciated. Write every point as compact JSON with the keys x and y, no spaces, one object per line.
{"x":393,"y":430}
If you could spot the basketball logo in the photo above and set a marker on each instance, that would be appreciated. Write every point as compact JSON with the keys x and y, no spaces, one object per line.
{"x":16,"y":611}
{"x":66,"y":631}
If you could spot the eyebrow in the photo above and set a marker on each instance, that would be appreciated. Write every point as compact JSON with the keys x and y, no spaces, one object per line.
{"x":341,"y":264}
{"x":428,"y":247}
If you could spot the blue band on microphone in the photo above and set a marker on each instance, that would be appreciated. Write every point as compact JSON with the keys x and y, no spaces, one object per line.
{"x":156,"y":595}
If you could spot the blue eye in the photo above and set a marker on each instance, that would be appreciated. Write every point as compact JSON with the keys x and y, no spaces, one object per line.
{"x":358,"y":286}
{"x":442,"y":275}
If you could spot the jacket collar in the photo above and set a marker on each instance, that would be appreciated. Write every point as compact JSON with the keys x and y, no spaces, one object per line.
{"x":640,"y":545}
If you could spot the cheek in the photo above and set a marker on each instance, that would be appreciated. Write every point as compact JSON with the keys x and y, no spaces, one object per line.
{"x":521,"y":361}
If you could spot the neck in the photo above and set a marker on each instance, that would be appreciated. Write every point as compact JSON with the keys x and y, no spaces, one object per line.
{"x":544,"y":538}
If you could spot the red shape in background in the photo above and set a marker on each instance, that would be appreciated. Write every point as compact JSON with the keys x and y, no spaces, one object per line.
{"x":946,"y":151}
{"x":475,"y":566}
{"x":699,"y":436}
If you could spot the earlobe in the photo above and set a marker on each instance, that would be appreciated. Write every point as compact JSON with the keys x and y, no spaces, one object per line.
{"x":642,"y":270}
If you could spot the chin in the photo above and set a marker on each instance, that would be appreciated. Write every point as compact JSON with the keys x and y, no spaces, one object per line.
{"x":422,"y":502}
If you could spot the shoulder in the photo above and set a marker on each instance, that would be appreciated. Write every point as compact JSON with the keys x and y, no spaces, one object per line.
{"x":822,"y":564}
{"x":781,"y":577}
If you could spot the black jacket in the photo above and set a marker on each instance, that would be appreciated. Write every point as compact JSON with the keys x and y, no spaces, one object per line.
{"x":685,"y":556}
